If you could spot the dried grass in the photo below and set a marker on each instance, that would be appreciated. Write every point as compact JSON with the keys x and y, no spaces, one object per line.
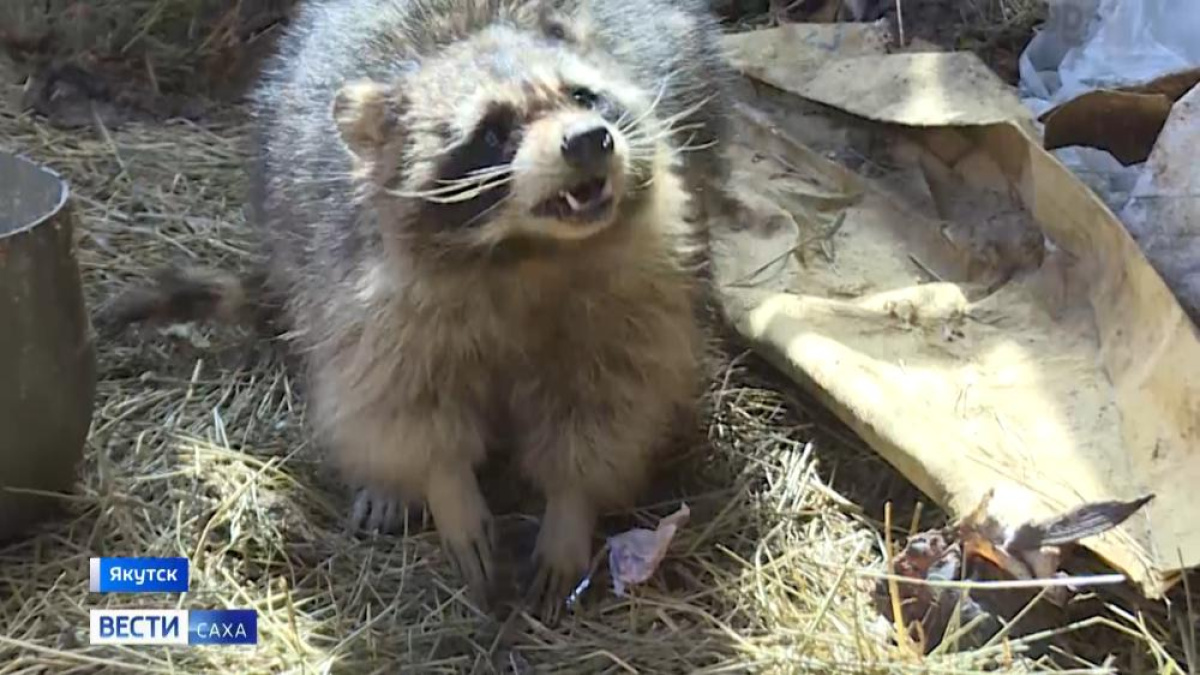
{"x":174,"y":46}
{"x":996,"y":30}
{"x":198,"y":449}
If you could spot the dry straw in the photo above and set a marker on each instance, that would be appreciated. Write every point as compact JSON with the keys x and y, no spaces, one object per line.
{"x":171,"y":46}
{"x":198,"y":449}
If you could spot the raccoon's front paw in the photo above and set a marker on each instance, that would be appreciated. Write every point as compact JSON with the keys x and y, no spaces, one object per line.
{"x":464,"y":525}
{"x":471,"y":553}
{"x":376,"y":511}
{"x":562,"y":556}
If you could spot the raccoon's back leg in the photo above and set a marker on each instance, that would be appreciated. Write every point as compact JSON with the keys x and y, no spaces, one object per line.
{"x":380,"y":511}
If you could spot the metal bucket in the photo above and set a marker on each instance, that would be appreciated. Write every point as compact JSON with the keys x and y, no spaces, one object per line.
{"x":47,"y":360}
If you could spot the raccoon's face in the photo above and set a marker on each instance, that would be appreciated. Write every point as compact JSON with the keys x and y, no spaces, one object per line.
{"x":509,"y":135}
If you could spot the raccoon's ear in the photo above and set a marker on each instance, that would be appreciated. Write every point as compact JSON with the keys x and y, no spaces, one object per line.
{"x":367,"y":114}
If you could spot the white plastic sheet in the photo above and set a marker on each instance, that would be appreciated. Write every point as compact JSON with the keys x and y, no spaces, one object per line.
{"x":1163,"y":212}
{"x":1096,"y":44}
{"x":1089,"y":44}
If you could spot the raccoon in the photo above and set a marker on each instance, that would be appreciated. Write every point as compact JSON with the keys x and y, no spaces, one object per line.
{"x":487,"y":218}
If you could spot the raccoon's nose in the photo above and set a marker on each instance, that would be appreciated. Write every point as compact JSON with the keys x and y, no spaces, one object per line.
{"x":587,"y":147}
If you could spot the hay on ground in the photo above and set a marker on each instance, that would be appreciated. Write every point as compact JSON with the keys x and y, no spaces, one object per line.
{"x":164,"y":47}
{"x":198,"y":449}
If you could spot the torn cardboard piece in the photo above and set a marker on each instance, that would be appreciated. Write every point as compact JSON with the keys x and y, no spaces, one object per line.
{"x":1123,"y":121}
{"x":839,"y":65}
{"x":978,"y":316}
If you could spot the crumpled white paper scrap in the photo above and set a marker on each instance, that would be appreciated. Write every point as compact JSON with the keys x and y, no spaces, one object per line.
{"x":634,"y":555}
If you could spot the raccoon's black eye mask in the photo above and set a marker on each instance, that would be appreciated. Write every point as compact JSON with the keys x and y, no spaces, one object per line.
{"x":556,"y":30}
{"x":587,"y":98}
{"x":492,"y":143}
{"x":584,"y":97}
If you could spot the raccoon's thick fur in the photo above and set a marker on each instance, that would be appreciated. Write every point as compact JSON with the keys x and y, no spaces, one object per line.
{"x":489,"y":217}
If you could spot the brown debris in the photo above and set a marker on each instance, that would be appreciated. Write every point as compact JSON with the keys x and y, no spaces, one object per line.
{"x":979,"y":548}
{"x":1125,"y":121}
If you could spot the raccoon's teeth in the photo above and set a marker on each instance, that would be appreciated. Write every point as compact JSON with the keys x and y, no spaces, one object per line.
{"x":607,"y":191}
{"x":570,"y":199}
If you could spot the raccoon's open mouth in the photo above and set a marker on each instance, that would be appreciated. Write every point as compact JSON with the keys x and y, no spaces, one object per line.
{"x":583,"y":202}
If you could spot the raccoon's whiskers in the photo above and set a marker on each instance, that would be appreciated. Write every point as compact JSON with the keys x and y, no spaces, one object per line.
{"x":486,"y":171}
{"x":641,"y":142}
{"x":645,"y":138}
{"x":457,"y":192}
{"x":472,"y":179}
{"x":686,"y":112}
{"x":484,"y":213}
{"x":696,"y":147}
{"x":477,"y":176}
{"x":658,"y":98}
{"x":470,"y":194}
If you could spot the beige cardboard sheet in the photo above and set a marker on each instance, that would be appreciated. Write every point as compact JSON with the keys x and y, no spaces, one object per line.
{"x":892,"y":260}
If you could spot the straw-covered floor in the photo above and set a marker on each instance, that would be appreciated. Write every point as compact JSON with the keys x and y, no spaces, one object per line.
{"x":198,"y":449}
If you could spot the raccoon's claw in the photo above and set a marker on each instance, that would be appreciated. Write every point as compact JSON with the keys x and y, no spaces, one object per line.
{"x":562,"y":555}
{"x":550,"y":589}
{"x":464,"y":525}
{"x":375,"y":512}
{"x":472,"y":558}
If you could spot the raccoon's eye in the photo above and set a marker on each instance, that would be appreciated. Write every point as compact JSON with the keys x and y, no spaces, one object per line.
{"x":496,"y":129}
{"x":556,"y":31}
{"x":585,"y":97}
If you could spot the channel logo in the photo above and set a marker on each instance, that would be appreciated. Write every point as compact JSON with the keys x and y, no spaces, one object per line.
{"x":138,"y":575}
{"x":139,"y":626}
{"x":174,"y":627}
{"x":222,"y":627}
